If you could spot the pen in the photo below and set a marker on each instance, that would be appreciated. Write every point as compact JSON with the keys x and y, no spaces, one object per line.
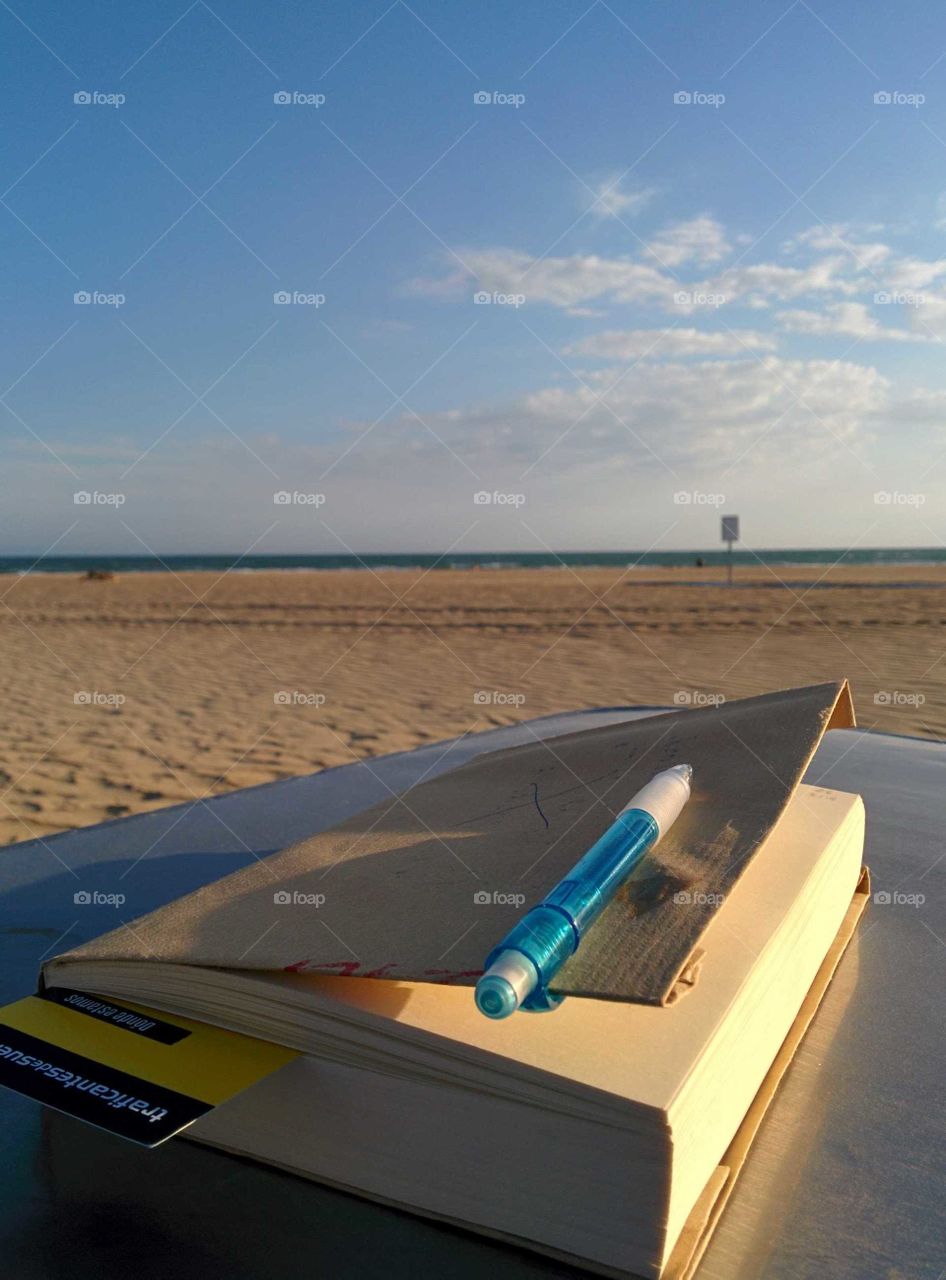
{"x":520,"y":968}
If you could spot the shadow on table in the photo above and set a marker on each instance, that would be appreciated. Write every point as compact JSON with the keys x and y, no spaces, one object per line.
{"x":114,"y":1209}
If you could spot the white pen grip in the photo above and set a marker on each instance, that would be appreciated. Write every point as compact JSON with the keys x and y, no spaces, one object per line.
{"x":663,"y":798}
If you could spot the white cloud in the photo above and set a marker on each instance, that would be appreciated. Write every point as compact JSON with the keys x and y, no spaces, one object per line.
{"x":843,"y":237}
{"x":664,"y":415}
{"x":916,"y":410}
{"x":577,"y":280}
{"x":658,"y":344}
{"x":913,"y":273}
{"x":700,"y":240}
{"x":846,"y":319}
{"x":612,"y":201}
{"x":927,"y":316}
{"x":564,"y":282}
{"x":760,"y":283}
{"x":451,"y":285}
{"x":845,"y":270}
{"x":875,"y":264}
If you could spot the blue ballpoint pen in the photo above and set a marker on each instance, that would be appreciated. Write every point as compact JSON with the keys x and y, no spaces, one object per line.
{"x":520,"y":968}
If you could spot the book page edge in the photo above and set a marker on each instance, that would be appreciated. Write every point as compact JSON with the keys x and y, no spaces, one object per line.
{"x":690,"y":1248}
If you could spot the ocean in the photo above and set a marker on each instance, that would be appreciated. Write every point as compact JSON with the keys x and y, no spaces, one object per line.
{"x":471,"y":560}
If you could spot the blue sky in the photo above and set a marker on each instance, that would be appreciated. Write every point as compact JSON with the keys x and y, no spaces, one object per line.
{"x":738,"y":297}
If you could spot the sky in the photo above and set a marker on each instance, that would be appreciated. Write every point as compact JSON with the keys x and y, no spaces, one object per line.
{"x":417,"y":277}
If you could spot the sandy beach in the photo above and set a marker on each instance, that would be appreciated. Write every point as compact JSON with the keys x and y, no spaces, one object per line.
{"x":152,"y":689}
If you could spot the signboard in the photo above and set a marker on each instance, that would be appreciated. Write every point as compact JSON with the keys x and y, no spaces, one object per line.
{"x":730,"y":528}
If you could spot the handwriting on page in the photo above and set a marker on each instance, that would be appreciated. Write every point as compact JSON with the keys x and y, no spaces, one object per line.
{"x":353,"y":969}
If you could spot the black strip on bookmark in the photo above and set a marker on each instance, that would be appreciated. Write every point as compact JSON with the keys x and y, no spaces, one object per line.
{"x":117,"y":1016}
{"x":135,"y":1109}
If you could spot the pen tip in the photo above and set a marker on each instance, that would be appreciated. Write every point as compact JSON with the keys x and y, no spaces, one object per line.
{"x":687,"y":771}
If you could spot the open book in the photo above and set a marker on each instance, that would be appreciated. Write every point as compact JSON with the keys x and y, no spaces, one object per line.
{"x":598,"y":1132}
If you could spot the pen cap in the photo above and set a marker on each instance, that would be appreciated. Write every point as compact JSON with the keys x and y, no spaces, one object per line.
{"x":510,"y":979}
{"x":664,"y":796}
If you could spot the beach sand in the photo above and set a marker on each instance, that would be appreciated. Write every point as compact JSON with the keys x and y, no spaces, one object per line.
{"x":152,"y":689}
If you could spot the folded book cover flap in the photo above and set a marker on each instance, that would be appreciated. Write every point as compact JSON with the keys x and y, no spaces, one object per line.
{"x":422,"y":885}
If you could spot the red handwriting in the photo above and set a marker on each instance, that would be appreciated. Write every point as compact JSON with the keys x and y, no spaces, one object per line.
{"x":348,"y":967}
{"x":352,"y":969}
{"x":447,"y":976}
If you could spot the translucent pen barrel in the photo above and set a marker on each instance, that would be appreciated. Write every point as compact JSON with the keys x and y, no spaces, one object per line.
{"x":550,"y":933}
{"x":595,"y":879}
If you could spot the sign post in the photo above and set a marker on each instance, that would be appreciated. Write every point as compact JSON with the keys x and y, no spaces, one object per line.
{"x":730,"y":533}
